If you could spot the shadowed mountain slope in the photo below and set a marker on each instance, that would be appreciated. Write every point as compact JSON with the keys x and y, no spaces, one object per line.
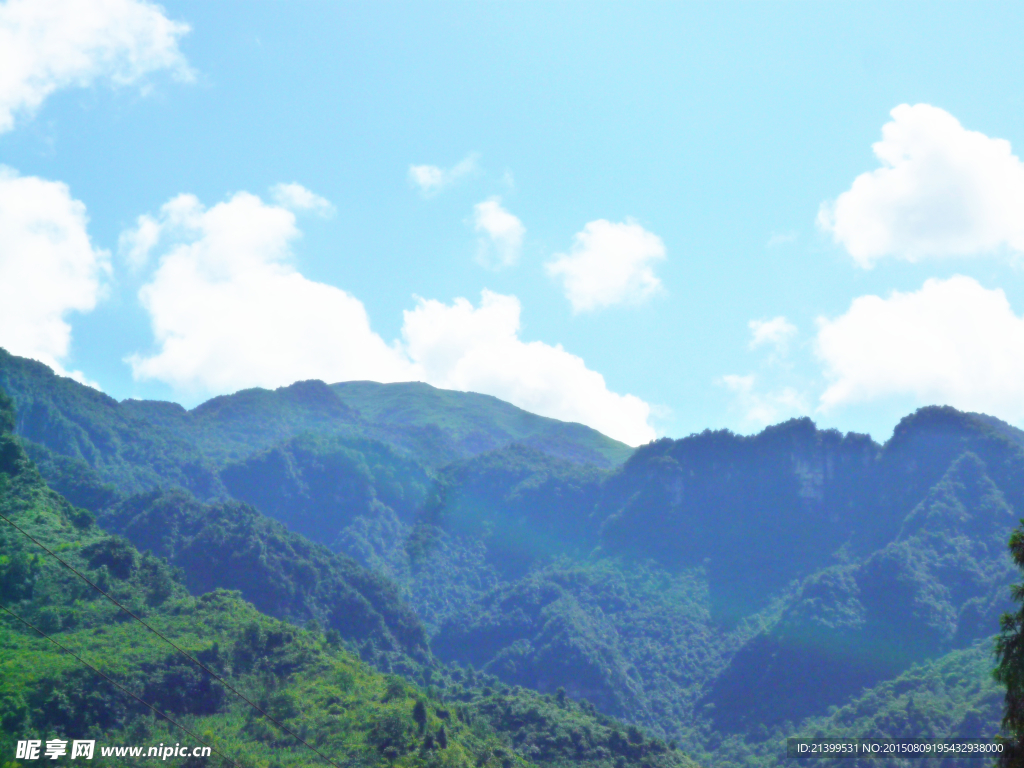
{"x":230,"y":545}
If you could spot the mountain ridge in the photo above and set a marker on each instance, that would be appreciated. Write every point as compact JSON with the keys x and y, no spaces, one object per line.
{"x":683,"y":589}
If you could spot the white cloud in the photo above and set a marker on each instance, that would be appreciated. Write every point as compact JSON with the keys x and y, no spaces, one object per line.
{"x":136,"y":244}
{"x":775,"y":332}
{"x":48,"y":267}
{"x":781,"y":238}
{"x":46,"y":45}
{"x":757,"y":404}
{"x":296,"y":197}
{"x":762,"y":408}
{"x":229,"y":310}
{"x":479,"y":350}
{"x":502,"y":234}
{"x":952,"y":342}
{"x":430,"y":179}
{"x":941,"y":191}
{"x":609,"y":264}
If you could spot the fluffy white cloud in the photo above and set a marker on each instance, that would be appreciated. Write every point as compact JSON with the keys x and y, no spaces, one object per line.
{"x":229,"y":310}
{"x":941,"y":191}
{"x":50,"y":44}
{"x":609,"y":264}
{"x":48,"y":267}
{"x":762,"y":408}
{"x":430,"y":179}
{"x":136,"y":244}
{"x":502,"y":234}
{"x":478,"y":349}
{"x":296,"y":197}
{"x":952,"y":342}
{"x":775,"y":332}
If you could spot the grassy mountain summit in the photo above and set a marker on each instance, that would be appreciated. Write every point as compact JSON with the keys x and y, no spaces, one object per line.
{"x":478,"y":423}
{"x":142,"y":445}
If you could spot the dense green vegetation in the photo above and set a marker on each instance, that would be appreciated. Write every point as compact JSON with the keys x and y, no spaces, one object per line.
{"x":721,"y":591}
{"x":305,"y":679}
{"x":733,"y":585}
{"x":638,"y":642}
{"x":1010,"y":671}
{"x":477,"y":423}
{"x":231,"y":545}
{"x":319,"y":485}
{"x":941,"y":584}
{"x":951,"y":696}
{"x":143,"y":445}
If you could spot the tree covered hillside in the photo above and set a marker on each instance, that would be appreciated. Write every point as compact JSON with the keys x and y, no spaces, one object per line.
{"x":230,"y":545}
{"x":303,"y":679}
{"x":142,"y":445}
{"x":721,"y":584}
{"x":720,"y":590}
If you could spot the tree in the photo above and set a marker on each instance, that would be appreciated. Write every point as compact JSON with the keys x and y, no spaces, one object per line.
{"x":419,"y":714}
{"x":1010,"y":669}
{"x":6,"y":413}
{"x":442,"y":738}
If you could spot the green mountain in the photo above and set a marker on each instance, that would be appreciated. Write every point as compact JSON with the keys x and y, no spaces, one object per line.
{"x":721,"y":584}
{"x":320,"y":485}
{"x":477,"y":423}
{"x":230,"y":545}
{"x":305,"y":680}
{"x":951,"y":696}
{"x":722,"y":591}
{"x":142,"y":445}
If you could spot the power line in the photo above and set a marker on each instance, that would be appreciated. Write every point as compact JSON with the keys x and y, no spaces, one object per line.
{"x":166,"y":717}
{"x":183,"y":652}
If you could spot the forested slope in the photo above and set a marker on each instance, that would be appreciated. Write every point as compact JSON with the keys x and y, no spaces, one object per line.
{"x":141,"y":445}
{"x":720,"y":589}
{"x":304,"y":679}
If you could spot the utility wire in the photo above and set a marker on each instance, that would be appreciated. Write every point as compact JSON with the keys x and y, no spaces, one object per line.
{"x":115,"y":683}
{"x":180,"y":650}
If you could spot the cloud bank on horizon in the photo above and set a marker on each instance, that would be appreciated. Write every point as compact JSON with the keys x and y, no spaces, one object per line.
{"x":49,"y":267}
{"x":952,"y":342}
{"x":229,"y":310}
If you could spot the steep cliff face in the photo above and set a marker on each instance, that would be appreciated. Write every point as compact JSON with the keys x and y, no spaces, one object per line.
{"x":756,"y":511}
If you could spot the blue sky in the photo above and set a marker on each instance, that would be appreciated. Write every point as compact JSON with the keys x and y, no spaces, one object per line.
{"x":639,"y":216}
